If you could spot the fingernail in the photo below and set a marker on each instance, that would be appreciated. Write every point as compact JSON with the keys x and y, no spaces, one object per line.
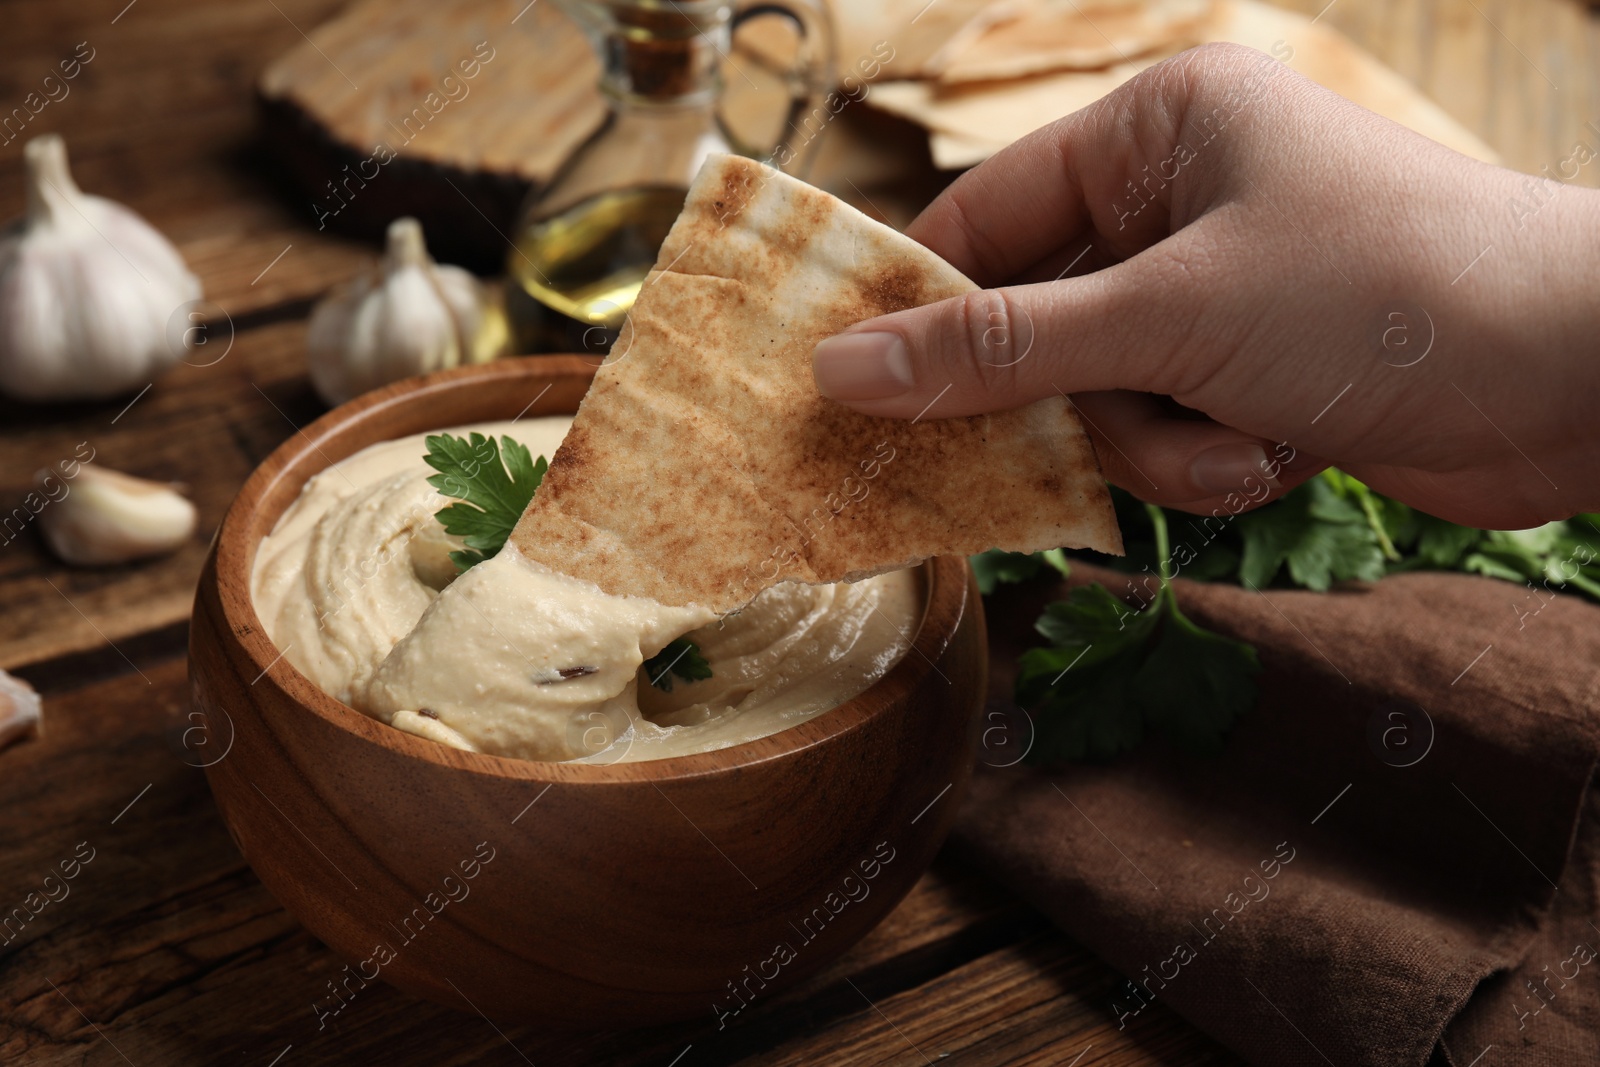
{"x":862,"y":366}
{"x":1231,"y":469}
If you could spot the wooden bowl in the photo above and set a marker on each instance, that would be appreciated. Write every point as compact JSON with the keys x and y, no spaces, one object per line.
{"x":571,"y":895}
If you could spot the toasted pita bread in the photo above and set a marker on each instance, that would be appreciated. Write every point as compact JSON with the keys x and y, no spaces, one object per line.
{"x":884,"y":38}
{"x":1072,"y":35}
{"x":1001,"y":112}
{"x":703,"y":466}
{"x":998,"y":113}
{"x":952,"y":151}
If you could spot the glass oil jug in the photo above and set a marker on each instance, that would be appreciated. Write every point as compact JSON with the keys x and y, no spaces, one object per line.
{"x":584,"y":244}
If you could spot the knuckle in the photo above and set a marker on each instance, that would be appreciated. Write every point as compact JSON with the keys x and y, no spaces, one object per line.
{"x":1223,"y":54}
{"x":1210,"y":83}
{"x":995,"y":333}
{"x":1214,"y":66}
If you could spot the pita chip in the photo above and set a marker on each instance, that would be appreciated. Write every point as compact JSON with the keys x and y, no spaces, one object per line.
{"x":703,"y":466}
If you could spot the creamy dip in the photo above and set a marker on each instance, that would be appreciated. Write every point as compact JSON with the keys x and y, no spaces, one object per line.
{"x":356,"y":588}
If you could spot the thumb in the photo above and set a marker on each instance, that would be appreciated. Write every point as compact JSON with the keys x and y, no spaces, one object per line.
{"x":1108,"y":341}
{"x":997,"y":349}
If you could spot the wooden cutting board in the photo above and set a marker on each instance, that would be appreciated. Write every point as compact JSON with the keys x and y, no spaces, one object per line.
{"x":446,"y":111}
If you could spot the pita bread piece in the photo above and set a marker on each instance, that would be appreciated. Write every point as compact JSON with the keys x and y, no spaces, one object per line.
{"x":998,"y":113}
{"x":1075,"y":35}
{"x":952,"y":151}
{"x":884,"y":38}
{"x":703,"y":466}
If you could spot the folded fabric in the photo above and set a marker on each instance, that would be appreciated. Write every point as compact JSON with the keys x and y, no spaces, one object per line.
{"x":1393,"y":860}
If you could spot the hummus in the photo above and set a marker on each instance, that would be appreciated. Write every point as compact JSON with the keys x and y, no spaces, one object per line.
{"x":356,"y":588}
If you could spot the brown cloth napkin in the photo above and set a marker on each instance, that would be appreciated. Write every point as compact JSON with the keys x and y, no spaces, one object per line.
{"x":1393,"y":861}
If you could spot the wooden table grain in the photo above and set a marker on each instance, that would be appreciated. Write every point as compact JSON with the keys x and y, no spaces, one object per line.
{"x":165,"y":950}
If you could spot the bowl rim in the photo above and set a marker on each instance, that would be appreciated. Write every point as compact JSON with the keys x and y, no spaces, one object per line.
{"x":945,"y":604}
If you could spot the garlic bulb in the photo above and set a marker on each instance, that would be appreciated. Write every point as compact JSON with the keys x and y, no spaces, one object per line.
{"x":409,"y":316}
{"x":110,"y":517}
{"x":87,"y":289}
{"x":20,"y":709}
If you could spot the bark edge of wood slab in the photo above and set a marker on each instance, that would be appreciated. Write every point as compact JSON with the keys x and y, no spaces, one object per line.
{"x":612,"y":896}
{"x":466,"y":213}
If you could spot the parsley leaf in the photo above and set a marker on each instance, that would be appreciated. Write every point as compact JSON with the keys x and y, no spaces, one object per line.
{"x":1321,"y":530}
{"x":495,"y":484}
{"x":1112,"y":672}
{"x":1080,"y":686}
{"x":997,"y":566}
{"x":1195,"y":683}
{"x":1442,"y":544}
{"x":681,"y":657}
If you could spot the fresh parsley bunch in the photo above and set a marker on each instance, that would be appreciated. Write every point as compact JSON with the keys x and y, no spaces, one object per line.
{"x":1115,"y":671}
{"x":1334,"y":528}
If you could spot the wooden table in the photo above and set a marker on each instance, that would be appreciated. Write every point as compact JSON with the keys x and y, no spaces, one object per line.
{"x":167,"y":951}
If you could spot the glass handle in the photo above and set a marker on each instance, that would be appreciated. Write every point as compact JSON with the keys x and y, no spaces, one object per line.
{"x":809,"y":81}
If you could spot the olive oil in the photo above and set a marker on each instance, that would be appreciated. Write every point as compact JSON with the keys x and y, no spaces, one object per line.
{"x":575,"y":275}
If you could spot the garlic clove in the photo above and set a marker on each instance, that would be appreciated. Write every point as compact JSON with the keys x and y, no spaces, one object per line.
{"x":409,"y":316}
{"x":109,"y":517}
{"x":21,"y":710}
{"x":485,"y":332}
{"x":332,"y":361}
{"x":87,"y":290}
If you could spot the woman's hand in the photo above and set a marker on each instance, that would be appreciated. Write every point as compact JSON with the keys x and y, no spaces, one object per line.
{"x":1237,"y":275}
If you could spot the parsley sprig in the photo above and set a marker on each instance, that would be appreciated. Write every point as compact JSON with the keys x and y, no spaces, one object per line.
{"x":1113,"y":672}
{"x":494,"y":483}
{"x":681,"y":657}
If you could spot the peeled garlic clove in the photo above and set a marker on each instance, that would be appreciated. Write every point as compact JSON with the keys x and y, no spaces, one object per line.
{"x":409,"y":316}
{"x":87,"y":290}
{"x":110,"y":517}
{"x":20,"y":710}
